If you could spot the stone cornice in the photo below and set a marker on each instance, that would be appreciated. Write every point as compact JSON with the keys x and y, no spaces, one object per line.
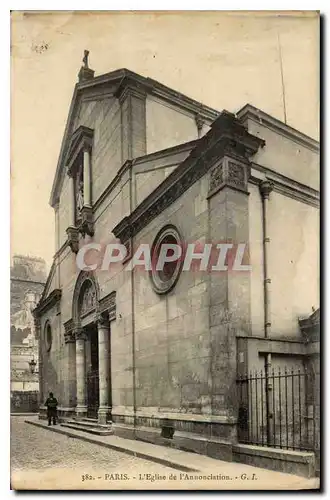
{"x":115,"y":181}
{"x":48,"y":303}
{"x":286,"y":186}
{"x":108,"y":305}
{"x":153,"y":87}
{"x":227,"y":136}
{"x":163,"y":153}
{"x":48,"y":281}
{"x":258,"y":116}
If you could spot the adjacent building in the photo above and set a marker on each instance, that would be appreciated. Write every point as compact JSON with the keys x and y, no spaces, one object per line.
{"x":168,"y":354}
{"x":27,"y":281}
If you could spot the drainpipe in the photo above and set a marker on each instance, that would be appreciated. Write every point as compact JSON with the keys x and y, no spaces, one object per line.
{"x":133,"y":302}
{"x":266,"y":188}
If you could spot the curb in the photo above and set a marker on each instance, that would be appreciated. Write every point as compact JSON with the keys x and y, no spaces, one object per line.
{"x":138,"y":454}
{"x":24,"y":414}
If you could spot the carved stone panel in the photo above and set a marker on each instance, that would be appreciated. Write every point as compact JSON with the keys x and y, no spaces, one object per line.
{"x":216,"y":176}
{"x":229,"y":173}
{"x":87,"y":299}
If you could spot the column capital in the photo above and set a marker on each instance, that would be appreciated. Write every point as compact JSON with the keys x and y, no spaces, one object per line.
{"x":69,"y":337}
{"x":79,"y":333}
{"x":265,"y":188}
{"x":103,"y":320}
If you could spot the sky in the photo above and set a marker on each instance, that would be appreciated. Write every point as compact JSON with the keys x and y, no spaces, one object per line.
{"x":222,"y":59}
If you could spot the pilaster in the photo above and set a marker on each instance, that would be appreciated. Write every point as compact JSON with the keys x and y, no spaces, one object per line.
{"x":133,"y":120}
{"x":229,"y":289}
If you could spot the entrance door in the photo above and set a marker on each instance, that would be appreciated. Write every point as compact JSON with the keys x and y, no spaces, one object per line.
{"x":93,"y":376}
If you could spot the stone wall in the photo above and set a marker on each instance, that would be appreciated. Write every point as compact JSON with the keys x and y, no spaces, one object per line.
{"x":160,"y":131}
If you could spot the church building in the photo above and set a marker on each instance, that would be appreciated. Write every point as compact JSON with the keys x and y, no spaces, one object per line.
{"x":158,"y":354}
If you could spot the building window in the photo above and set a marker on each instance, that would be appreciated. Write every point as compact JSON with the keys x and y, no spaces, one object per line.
{"x":48,"y":337}
{"x":165,"y":277}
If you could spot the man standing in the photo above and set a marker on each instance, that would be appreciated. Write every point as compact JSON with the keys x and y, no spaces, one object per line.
{"x":51,"y":404}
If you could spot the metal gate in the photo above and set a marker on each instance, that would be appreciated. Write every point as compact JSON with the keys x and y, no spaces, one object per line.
{"x":279,"y":409}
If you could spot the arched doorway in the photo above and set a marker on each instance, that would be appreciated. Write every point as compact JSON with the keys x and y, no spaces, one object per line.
{"x":85,"y":309}
{"x":91,"y":318}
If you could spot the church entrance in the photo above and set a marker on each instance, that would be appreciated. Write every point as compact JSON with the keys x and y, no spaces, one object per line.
{"x":92,"y":354}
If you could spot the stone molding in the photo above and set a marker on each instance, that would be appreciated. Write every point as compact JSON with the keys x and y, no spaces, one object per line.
{"x":161,"y":286}
{"x":186,"y":417}
{"x":44,"y":305}
{"x":108,"y":305}
{"x":73,"y":238}
{"x":258,"y":116}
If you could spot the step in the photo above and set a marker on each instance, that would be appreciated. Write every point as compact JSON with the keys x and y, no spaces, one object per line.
{"x":90,"y":425}
{"x":96,"y":430}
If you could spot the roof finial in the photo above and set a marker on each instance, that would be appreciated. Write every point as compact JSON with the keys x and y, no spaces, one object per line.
{"x":85,"y":58}
{"x":85,"y":72}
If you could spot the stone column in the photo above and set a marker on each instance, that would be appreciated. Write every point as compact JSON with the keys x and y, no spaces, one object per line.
{"x":81,"y":408}
{"x":72,"y":206}
{"x":104,"y":368}
{"x":87,"y":178}
{"x":69,"y":370}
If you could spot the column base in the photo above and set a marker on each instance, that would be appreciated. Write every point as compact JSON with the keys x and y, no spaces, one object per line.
{"x":81,"y":411}
{"x":103,"y":415}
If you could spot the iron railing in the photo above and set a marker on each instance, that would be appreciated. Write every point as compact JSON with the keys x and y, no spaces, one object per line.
{"x":279,"y":409}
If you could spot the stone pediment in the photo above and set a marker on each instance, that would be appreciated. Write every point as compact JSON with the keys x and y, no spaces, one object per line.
{"x":115,"y":84}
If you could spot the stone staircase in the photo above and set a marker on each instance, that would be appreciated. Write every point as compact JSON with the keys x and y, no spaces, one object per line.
{"x":89,"y":425}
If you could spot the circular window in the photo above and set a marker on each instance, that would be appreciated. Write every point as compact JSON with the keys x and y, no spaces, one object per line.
{"x":166,"y":259}
{"x":48,"y":337}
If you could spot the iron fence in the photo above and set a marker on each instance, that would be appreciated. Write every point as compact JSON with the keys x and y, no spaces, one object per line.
{"x":279,"y":409}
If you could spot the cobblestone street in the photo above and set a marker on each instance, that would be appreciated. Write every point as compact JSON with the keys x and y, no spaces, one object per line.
{"x":34,"y":449}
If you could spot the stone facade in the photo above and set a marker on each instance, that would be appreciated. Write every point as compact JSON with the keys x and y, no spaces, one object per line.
{"x":152,"y":158}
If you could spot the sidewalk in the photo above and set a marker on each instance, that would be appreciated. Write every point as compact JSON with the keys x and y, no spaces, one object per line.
{"x":191,"y":466}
